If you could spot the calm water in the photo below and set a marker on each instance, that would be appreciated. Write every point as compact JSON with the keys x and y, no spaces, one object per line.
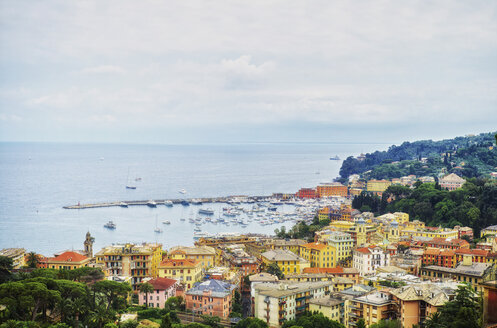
{"x":38,"y":179}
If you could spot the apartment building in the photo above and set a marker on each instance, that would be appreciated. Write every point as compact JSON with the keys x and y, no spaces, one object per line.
{"x":211,"y":297}
{"x":206,"y":255}
{"x":319,"y":255}
{"x":186,"y":271}
{"x":287,"y":261}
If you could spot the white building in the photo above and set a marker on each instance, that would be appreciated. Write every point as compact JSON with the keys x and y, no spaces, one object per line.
{"x":277,"y":303}
{"x":367,"y":259}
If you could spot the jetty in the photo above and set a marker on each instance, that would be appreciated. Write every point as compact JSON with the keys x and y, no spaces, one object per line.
{"x":226,"y":199}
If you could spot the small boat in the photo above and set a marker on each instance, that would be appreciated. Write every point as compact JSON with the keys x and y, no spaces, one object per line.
{"x":185,"y":203}
{"x":110,"y":225}
{"x":151,"y":203}
{"x":206,"y":211}
{"x":138,"y":179}
{"x":123,"y":204}
{"x":130,"y":187}
{"x":166,"y":222}
{"x":158,"y":230}
{"x":182,"y":191}
{"x":182,"y":219}
{"x":336,"y":158}
{"x":197,"y":229}
{"x":168,"y":203}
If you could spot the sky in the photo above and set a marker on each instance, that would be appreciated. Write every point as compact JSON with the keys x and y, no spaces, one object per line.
{"x":246,"y":71}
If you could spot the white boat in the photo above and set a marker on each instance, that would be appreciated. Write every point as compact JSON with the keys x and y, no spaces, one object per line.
{"x":128,"y":185}
{"x":151,"y":203}
{"x":182,"y":191}
{"x":158,"y":230}
{"x":110,"y":225}
{"x":206,"y":211}
{"x":123,"y":204}
{"x":168,"y":203}
{"x":166,"y":222}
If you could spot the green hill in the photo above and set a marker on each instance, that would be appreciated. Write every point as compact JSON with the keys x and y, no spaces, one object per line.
{"x":470,"y":156}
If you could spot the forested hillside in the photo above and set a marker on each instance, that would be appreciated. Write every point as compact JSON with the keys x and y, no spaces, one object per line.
{"x":474,"y":205}
{"x":471,"y":156}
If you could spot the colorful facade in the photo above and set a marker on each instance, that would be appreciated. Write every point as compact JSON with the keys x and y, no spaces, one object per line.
{"x":68,"y":261}
{"x":331,"y":190}
{"x":319,"y":255}
{"x":287,"y":261}
{"x":211,"y":297}
{"x":186,"y":272}
{"x":163,"y":289}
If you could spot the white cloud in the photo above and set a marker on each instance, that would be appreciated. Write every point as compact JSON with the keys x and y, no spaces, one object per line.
{"x":103,"y":69}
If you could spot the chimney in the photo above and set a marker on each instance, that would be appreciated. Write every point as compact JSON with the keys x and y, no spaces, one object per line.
{"x":467,"y":259}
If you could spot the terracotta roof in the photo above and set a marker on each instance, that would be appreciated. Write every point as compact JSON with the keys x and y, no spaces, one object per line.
{"x":463,"y":251}
{"x":323,"y":270}
{"x":432,"y":251}
{"x":179,"y":263}
{"x":447,"y":252}
{"x":162,"y":283}
{"x":363,"y":250}
{"x":68,"y":257}
{"x":480,"y":252}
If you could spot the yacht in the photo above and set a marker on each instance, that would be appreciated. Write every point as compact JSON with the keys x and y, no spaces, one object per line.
{"x":130,"y":187}
{"x":123,"y":204}
{"x":110,"y":225}
{"x":185,"y":203}
{"x":182,"y":191}
{"x":166,"y":222}
{"x":168,"y":203}
{"x":206,"y":211}
{"x":151,"y":203}
{"x":158,"y":230}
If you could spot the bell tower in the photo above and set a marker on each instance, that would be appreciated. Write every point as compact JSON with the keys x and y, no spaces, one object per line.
{"x":89,"y":244}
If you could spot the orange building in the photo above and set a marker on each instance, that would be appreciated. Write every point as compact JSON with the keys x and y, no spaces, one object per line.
{"x":332,"y":189}
{"x":441,"y":257}
{"x":306,"y":193}
{"x":211,"y":297}
{"x":68,"y":261}
{"x":479,"y":255}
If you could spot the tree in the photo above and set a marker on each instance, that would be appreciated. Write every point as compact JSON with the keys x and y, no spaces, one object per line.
{"x":465,"y":311}
{"x":274,"y":269}
{"x":129,"y":324}
{"x":111,"y":293}
{"x":361,"y":323}
{"x":32,"y":260}
{"x":236,"y":304}
{"x":5,"y":268}
{"x":251,"y":323}
{"x":212,"y":321}
{"x":166,"y":322}
{"x":387,"y":324}
{"x":146,"y":288}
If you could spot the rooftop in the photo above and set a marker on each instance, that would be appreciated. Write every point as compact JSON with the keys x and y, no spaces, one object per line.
{"x":475,"y":269}
{"x":216,"y":288}
{"x":287,"y":288}
{"x":281,"y":255}
{"x":327,"y":301}
{"x":68,"y":257}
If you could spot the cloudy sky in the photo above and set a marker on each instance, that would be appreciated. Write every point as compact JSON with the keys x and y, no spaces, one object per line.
{"x":246,"y":71}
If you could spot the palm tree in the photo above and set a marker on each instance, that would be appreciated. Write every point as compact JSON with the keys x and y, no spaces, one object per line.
{"x":146,"y":288}
{"x":32,"y":260}
{"x":99,"y":317}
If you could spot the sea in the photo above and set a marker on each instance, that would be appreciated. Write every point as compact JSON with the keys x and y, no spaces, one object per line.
{"x":38,"y":179}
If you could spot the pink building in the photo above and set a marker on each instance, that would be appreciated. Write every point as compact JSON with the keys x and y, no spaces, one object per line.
{"x":163,"y":289}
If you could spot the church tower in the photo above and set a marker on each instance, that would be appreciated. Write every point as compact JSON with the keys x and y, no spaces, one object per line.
{"x":89,"y":245}
{"x":360,"y":229}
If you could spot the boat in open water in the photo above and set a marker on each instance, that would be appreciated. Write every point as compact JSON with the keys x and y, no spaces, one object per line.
{"x":110,"y":225}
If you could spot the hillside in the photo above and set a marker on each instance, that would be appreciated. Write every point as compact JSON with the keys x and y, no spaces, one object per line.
{"x":470,"y":156}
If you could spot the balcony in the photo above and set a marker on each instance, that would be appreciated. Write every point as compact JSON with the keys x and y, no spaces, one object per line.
{"x":300,"y":308}
{"x":282,"y":302}
{"x":300,"y":298}
{"x":281,"y":312}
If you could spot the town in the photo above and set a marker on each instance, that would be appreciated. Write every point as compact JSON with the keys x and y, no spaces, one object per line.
{"x":349,"y":266}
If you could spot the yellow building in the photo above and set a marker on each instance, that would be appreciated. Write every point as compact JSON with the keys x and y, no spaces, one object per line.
{"x":137,"y":261}
{"x":439,"y":233}
{"x":186,"y":271}
{"x":206,"y":255}
{"x":343,"y":243}
{"x":492,"y":230}
{"x":319,"y":255}
{"x":414,"y":225}
{"x":292,"y":245}
{"x":401,"y":217}
{"x":330,"y":307}
{"x":16,"y":254}
{"x":68,"y":261}
{"x":378,"y":185}
{"x":287,"y":261}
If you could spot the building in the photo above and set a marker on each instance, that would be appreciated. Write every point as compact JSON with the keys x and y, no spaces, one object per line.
{"x":467,"y":271}
{"x":440,"y":257}
{"x":332,"y":307}
{"x":287,"y":261}
{"x":235,"y":256}
{"x":277,"y":303}
{"x":367,"y":259}
{"x":68,"y":261}
{"x":137,"y":261}
{"x":338,"y":272}
{"x":88,"y":245}
{"x":372,"y":308}
{"x":211,"y":297}
{"x":443,"y":233}
{"x":491,"y":230}
{"x":332,"y":190}
{"x":163,"y":289}
{"x":343,"y":243}
{"x":206,"y":255}
{"x":306,"y":193}
{"x":186,"y":272}
{"x":445,"y":243}
{"x":417,"y":302}
{"x":292,"y":245}
{"x":319,"y":255}
{"x":378,"y":186}
{"x":451,"y":182}
{"x":16,"y":254}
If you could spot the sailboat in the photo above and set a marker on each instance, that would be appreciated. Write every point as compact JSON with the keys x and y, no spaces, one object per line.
{"x":157,"y":229}
{"x":128,"y":185}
